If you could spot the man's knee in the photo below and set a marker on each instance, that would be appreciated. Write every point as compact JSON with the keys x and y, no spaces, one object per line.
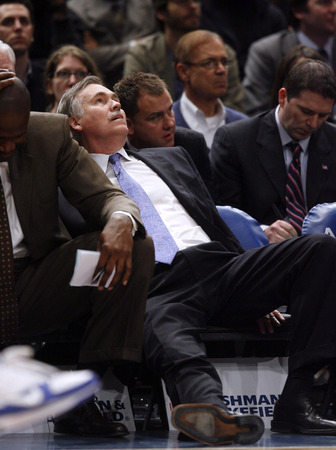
{"x":321,"y":239}
{"x":324,"y":244}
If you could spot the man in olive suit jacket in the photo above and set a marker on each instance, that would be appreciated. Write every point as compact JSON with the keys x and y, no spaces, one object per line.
{"x":38,"y":155}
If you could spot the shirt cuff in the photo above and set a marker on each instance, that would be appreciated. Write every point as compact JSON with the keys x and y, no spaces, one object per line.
{"x":134,"y":224}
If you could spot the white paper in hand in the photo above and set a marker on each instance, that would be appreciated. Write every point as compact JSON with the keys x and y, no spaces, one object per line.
{"x":85,"y":265}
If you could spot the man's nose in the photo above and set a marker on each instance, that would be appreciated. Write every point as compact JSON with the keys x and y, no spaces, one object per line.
{"x":313,"y":121}
{"x":7,"y":146}
{"x":17,"y":23}
{"x":115,"y":105}
{"x":169,"y":121}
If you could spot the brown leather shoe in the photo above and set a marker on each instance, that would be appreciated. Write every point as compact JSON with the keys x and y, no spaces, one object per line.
{"x":213,"y":425}
{"x":88,"y":421}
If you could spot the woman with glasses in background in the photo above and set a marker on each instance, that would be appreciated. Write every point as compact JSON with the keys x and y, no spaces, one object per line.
{"x":65,"y":67}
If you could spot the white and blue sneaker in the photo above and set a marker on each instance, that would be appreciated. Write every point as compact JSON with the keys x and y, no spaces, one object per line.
{"x":32,"y":391}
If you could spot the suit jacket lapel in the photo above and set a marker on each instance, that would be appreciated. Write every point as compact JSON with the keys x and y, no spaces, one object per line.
{"x":270,"y":154}
{"x":319,"y":166}
{"x":166,"y":170}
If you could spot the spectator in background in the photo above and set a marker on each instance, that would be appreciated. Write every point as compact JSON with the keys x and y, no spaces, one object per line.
{"x":55,"y":25}
{"x":156,"y":53}
{"x":110,"y":28}
{"x":203,"y":65}
{"x":17,"y":30}
{"x":64,"y":68}
{"x":313,"y":23}
{"x":151,"y":121}
{"x":241,"y":23}
{"x":292,"y":57}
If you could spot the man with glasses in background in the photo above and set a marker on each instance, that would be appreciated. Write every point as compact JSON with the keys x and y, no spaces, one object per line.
{"x":202,"y":65}
{"x":156,"y":52}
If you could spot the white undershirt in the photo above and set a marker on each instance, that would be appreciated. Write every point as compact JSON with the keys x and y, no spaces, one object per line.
{"x":196,"y":119}
{"x":19,"y":248}
{"x":184,"y":230}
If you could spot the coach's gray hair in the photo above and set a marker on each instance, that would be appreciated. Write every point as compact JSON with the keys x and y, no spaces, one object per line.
{"x":69,"y":104}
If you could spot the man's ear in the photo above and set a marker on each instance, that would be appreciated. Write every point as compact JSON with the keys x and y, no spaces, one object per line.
{"x":75,"y":123}
{"x":161,"y":15}
{"x":182,"y":72}
{"x":298,"y":12}
{"x":282,"y":96}
{"x":130,"y":125}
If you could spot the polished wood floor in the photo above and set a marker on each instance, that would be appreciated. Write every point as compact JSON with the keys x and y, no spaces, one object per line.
{"x":155,"y":440}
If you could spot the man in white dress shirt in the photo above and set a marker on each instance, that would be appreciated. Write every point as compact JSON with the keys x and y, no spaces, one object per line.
{"x":210,"y":279}
{"x":202,"y":63}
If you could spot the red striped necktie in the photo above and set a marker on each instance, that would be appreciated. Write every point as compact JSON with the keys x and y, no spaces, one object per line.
{"x":295,"y":204}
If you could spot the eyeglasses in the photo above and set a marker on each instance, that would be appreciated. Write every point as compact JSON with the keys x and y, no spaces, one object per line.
{"x":66,"y":74}
{"x":210,"y":63}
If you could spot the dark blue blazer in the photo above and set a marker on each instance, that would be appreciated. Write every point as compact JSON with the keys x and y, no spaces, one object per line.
{"x":231,"y":115}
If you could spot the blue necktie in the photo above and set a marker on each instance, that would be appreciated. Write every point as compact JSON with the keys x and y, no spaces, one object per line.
{"x":164,"y":244}
{"x":295,"y":204}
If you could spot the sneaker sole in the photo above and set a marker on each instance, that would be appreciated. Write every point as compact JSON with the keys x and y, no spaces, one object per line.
{"x":17,"y":420}
{"x":209,"y":425}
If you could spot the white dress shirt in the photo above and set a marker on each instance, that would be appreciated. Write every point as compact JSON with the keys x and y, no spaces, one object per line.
{"x":183,"y":228}
{"x":19,"y":248}
{"x":196,"y":119}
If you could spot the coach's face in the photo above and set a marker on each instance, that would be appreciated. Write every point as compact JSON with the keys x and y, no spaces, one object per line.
{"x":302,"y":115}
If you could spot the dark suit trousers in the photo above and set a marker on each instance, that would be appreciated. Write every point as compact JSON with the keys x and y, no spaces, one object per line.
{"x":113,"y":319}
{"x":207,"y":284}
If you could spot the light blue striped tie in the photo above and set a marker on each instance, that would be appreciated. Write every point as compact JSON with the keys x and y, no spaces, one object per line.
{"x":164,"y":244}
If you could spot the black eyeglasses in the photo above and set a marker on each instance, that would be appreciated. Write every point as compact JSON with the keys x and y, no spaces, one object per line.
{"x":66,"y":74}
{"x":210,"y":63}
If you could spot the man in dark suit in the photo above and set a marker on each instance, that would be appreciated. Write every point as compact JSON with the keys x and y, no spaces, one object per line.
{"x":38,"y":155}
{"x":151,"y":121}
{"x":312,"y":24}
{"x":211,"y":279}
{"x":250,"y":159}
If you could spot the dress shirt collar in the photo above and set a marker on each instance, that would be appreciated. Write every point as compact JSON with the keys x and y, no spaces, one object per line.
{"x":285,"y":137}
{"x":4,"y":164}
{"x":305,"y":40}
{"x":103,"y":160}
{"x":194,"y":114}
